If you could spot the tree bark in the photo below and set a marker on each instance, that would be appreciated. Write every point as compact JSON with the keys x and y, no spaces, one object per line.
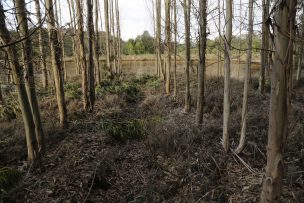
{"x":91,"y":78}
{"x":41,"y":48}
{"x":202,"y":63}
{"x":265,"y":46}
{"x":168,"y":45}
{"x":97,"y":45}
{"x":175,"y":50}
{"x":107,"y":29}
{"x":187,"y":9}
{"x":24,"y":103}
{"x":158,"y":38}
{"x":56,"y":64}
{"x":228,"y":56}
{"x":82,"y":57}
{"x":278,"y":123}
{"x":29,"y":71}
{"x":118,"y":37}
{"x":241,"y":145}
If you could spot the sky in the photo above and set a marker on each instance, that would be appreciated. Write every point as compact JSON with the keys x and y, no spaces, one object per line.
{"x":136,"y":17}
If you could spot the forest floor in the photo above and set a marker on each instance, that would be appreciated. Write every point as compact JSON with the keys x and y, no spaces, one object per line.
{"x":139,"y":146}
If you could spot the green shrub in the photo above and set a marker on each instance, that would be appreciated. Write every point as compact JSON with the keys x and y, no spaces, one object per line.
{"x":124,"y":130}
{"x":9,"y":109}
{"x":73,"y":90}
{"x":9,"y":180}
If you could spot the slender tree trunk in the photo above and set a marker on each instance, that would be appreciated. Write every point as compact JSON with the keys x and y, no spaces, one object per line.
{"x":272,"y":183}
{"x":246,"y":81}
{"x":118,"y":37}
{"x":29,"y":71}
{"x":56,"y":63}
{"x":73,"y":28}
{"x":61,"y":39}
{"x":228,"y":37}
{"x":265,"y":46}
{"x":300,"y":65}
{"x":202,"y":63}
{"x":158,"y":38}
{"x":113,"y":38}
{"x":168,"y":45}
{"x":20,"y":88}
{"x":187,"y":9}
{"x":1,"y":96}
{"x":41,"y":48}
{"x":107,"y":29}
{"x":97,"y":45}
{"x":175,"y":50}
{"x":219,"y":53}
{"x":82,"y":57}
{"x":91,"y":78}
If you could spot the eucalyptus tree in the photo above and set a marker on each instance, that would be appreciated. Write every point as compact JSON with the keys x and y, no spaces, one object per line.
{"x":168,"y":44}
{"x":96,"y":44}
{"x":18,"y":79}
{"x":29,"y":78}
{"x":265,"y":45}
{"x":202,"y":60}
{"x":278,"y":114}
{"x":160,"y":71}
{"x":187,"y":9}
{"x":56,"y":63}
{"x":82,"y":56}
{"x":107,"y":30}
{"x":228,"y":56}
{"x":246,"y":81}
{"x":175,"y":49}
{"x":118,"y":34}
{"x":41,"y":47}
{"x":90,"y":68}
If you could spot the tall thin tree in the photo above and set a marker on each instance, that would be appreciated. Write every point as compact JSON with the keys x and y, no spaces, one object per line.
{"x":56,"y":63}
{"x":246,"y":81}
{"x":187,"y":9}
{"x":90,"y":69}
{"x":168,"y":45}
{"x":29,"y":78}
{"x":227,"y":42}
{"x":41,"y":47}
{"x":17,"y":74}
{"x":107,"y":29}
{"x":278,"y":123}
{"x":202,"y":60}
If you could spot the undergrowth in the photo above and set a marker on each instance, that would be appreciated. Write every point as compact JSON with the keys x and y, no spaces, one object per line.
{"x":124,"y":130}
{"x":9,"y":109}
{"x":9,"y":180}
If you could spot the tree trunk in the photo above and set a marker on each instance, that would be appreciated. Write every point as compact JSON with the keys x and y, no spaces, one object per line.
{"x":265,"y":46}
{"x":18,"y":78}
{"x":41,"y":48}
{"x":118,"y":37}
{"x":56,"y":63}
{"x":61,"y":39}
{"x":187,"y":9}
{"x":1,"y":96}
{"x":29,"y":71}
{"x":219,"y":52}
{"x":90,"y":74}
{"x":82,"y":57}
{"x":272,"y":183}
{"x":228,"y":56}
{"x":113,"y":38}
{"x":202,"y":63}
{"x":246,"y":81}
{"x":73,"y":28}
{"x":175,"y":50}
{"x":97,"y":45}
{"x":107,"y":29}
{"x":168,"y":45}
{"x":158,"y":37}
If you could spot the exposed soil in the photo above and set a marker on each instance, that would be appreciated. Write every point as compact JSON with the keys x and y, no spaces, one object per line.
{"x":174,"y":161}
